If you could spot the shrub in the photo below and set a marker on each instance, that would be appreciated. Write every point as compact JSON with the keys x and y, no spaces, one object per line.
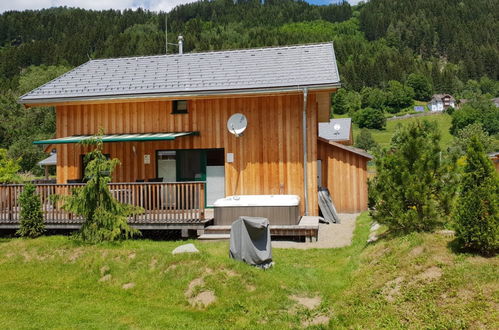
{"x":370,"y":118}
{"x":477,"y":111}
{"x":408,"y":179}
{"x":365,"y":140}
{"x":398,"y":96}
{"x":105,"y":217}
{"x":373,"y":98}
{"x":345,"y":102}
{"x":31,"y":223}
{"x":339,"y":102}
{"x":464,"y":136}
{"x":477,"y":208}
{"x":8,"y":168}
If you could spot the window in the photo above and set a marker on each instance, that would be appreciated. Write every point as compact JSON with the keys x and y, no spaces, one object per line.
{"x":179,"y":106}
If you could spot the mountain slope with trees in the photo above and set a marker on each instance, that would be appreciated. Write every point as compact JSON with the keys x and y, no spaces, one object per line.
{"x":406,"y":48}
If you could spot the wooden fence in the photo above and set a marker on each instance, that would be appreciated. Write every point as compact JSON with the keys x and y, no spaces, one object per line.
{"x":163,"y":202}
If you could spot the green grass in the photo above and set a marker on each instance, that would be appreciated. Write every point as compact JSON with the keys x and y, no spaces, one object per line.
{"x":383,"y":137}
{"x":54,"y":282}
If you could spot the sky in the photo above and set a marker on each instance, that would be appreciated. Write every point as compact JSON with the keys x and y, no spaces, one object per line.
{"x":154,"y":5}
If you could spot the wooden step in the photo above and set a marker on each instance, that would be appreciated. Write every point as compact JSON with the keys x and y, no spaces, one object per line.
{"x":211,"y":237}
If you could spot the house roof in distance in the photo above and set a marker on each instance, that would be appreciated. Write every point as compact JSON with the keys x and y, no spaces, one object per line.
{"x":218,"y":72}
{"x":440,"y":97}
{"x":336,"y":129}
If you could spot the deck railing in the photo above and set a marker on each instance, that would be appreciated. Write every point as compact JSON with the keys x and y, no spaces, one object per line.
{"x":163,"y":202}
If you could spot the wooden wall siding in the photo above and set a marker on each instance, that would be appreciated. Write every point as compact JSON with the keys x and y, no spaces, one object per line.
{"x":268,"y":158}
{"x":344,"y":173}
{"x":324,"y":107}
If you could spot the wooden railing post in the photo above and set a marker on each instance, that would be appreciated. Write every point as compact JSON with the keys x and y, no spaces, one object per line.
{"x":202,"y":202}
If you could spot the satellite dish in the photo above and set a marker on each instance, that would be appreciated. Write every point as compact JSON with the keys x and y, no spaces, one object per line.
{"x":237,"y":123}
{"x":337,"y":128}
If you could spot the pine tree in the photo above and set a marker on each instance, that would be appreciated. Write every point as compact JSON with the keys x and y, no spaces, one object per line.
{"x":105,"y":217}
{"x":409,"y":179}
{"x":477,"y":207}
{"x":31,"y":223}
{"x":365,"y":140}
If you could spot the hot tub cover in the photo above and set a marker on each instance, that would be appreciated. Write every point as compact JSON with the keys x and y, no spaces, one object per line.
{"x":250,"y":241}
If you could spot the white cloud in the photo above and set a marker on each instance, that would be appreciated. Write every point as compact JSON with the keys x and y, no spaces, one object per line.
{"x":155,"y":5}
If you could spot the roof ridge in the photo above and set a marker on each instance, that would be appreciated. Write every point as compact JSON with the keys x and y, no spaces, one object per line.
{"x":215,"y":51}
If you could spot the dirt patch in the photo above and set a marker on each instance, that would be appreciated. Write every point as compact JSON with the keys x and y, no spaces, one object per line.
{"x":416,"y":251}
{"x":104,"y":269}
{"x":153,"y":263}
{"x":392,"y":289}
{"x":27,"y":256}
{"x":128,"y":286}
{"x":431,"y":274}
{"x":250,"y":287}
{"x":465,"y":294}
{"x":132,"y":255}
{"x":309,"y":303}
{"x":170,"y":268}
{"x":203,"y":299}
{"x":318,"y":320}
{"x":105,"y":278}
{"x":193,"y":285}
{"x":446,"y":232}
{"x":230,"y":273}
{"x":75,"y":255}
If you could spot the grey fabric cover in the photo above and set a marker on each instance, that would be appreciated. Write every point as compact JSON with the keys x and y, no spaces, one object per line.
{"x":250,"y":241}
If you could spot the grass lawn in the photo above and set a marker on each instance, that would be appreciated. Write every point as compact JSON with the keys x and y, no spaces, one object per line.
{"x":411,"y":281}
{"x":383,"y":137}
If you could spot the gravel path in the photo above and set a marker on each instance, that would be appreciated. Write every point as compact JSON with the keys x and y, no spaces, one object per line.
{"x":330,"y":236}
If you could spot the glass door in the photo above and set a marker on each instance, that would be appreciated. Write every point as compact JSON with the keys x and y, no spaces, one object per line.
{"x":191,"y":165}
{"x":167,"y":165}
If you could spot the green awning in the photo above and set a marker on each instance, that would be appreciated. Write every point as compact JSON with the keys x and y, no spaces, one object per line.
{"x":140,"y":137}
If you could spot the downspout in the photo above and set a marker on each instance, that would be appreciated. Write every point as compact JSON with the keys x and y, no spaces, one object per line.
{"x":305,"y":149}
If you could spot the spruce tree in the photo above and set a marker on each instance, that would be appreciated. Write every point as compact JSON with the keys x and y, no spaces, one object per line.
{"x":31,"y":222}
{"x":105,"y":218}
{"x":409,"y":179}
{"x":477,"y":207}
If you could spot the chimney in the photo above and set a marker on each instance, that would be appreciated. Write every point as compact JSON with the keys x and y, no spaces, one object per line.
{"x":180,"y":44}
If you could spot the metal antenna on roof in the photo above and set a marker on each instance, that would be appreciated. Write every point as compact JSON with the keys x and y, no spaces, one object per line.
{"x":166,"y":33}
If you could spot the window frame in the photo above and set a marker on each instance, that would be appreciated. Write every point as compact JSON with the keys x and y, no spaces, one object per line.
{"x":175,"y":109}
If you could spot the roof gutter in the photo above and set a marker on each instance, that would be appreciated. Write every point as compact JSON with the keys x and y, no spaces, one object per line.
{"x":186,"y":94}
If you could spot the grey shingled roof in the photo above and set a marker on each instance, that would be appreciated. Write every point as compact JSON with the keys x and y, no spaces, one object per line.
{"x":50,"y":160}
{"x":216,"y":72}
{"x":327,"y":131}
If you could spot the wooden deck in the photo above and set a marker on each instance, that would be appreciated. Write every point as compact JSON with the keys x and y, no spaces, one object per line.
{"x":308,"y":227}
{"x":169,"y":206}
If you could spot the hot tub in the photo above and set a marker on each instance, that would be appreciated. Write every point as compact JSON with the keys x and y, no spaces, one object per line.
{"x":278,"y":209}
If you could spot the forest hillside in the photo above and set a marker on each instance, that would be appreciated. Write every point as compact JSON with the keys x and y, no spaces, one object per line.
{"x":453,"y":44}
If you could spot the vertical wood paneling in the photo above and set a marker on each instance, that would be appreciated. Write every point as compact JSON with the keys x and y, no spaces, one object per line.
{"x":344,"y":173}
{"x":268,"y":158}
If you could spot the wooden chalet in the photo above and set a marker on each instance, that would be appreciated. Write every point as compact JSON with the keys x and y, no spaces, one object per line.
{"x":165,"y":118}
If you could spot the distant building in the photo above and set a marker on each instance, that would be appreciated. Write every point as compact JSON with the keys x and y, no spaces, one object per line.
{"x":494,"y":156}
{"x":440,"y":102}
{"x":496,"y":102}
{"x":419,"y":108}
